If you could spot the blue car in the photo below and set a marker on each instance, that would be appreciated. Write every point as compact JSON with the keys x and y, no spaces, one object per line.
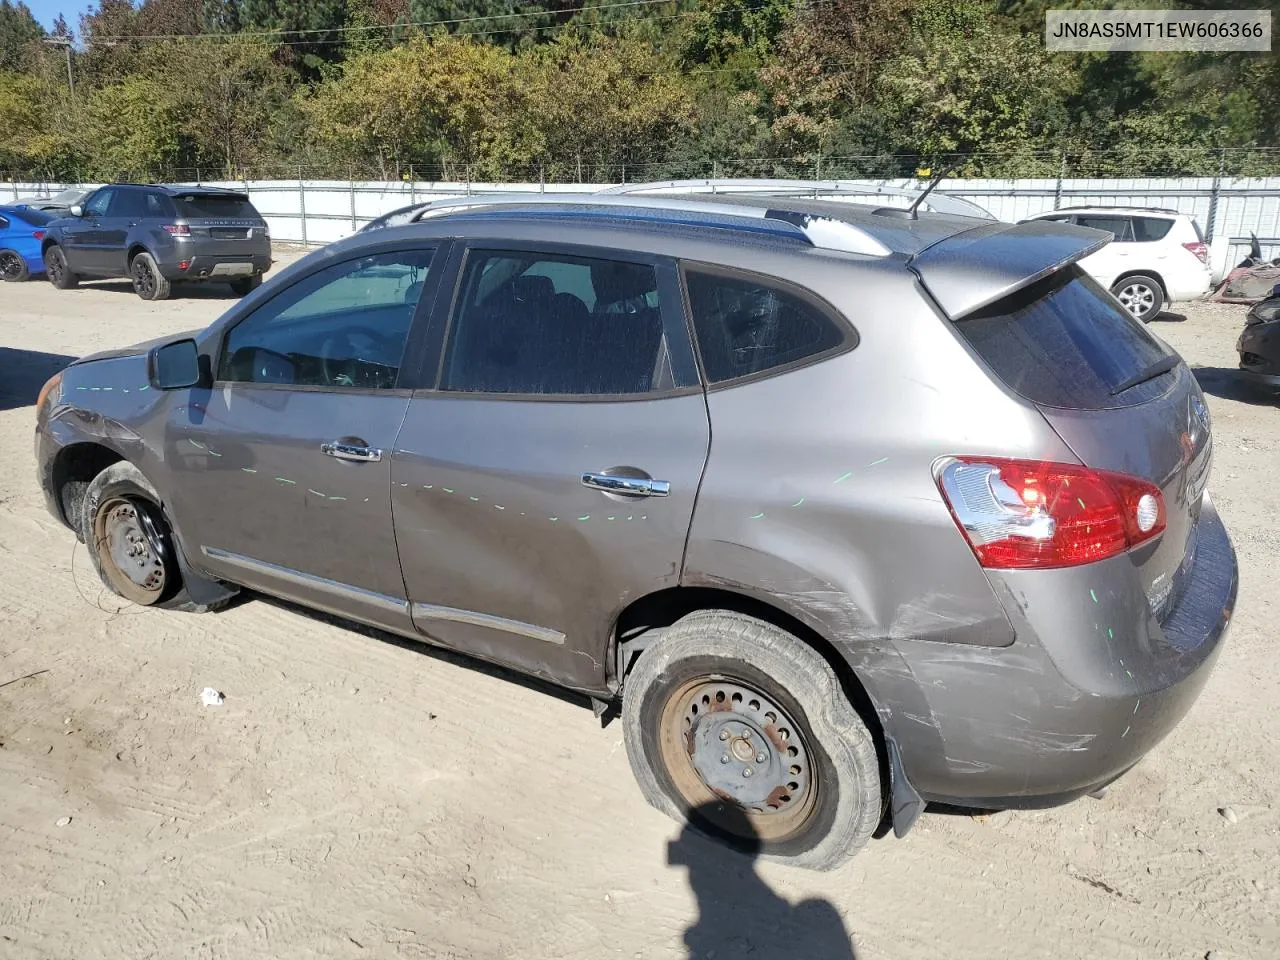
{"x":22,"y":230}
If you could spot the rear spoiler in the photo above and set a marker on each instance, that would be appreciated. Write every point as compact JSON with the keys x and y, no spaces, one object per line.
{"x":971,"y":270}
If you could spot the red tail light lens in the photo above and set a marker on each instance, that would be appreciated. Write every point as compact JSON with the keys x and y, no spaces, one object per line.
{"x":38,"y":234}
{"x":1200,"y":250}
{"x":1019,"y":514}
{"x":177,"y":229}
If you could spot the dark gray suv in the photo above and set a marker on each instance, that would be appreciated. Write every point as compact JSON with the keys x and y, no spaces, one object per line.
{"x":850,"y":510}
{"x":158,"y":236}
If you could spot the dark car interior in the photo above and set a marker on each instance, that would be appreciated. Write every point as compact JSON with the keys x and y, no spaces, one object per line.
{"x":530,"y":325}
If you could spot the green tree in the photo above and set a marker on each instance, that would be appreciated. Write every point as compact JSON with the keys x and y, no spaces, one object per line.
{"x":606,"y":101}
{"x":18,"y":31}
{"x":132,"y":129}
{"x":975,"y":88}
{"x":725,"y":28}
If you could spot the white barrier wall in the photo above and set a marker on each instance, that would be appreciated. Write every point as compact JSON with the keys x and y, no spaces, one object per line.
{"x":321,"y":211}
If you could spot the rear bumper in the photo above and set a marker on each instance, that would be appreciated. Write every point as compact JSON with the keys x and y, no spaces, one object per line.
{"x":1189,"y":282}
{"x":1092,"y":683}
{"x":218,"y":261}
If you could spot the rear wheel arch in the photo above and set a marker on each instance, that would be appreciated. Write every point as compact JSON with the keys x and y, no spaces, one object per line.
{"x":1154,"y":275}
{"x":649,"y":614}
{"x":134,"y":250}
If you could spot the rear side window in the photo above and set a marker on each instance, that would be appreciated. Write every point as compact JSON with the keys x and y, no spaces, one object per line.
{"x":747,"y":325}
{"x":1122,"y":227}
{"x":216,"y":206}
{"x":1065,"y":342}
{"x":1149,"y":229}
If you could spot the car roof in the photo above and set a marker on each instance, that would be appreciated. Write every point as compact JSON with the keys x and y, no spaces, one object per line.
{"x":1143,"y":211}
{"x":841,"y":226}
{"x":183,"y":191}
{"x":966,"y":262}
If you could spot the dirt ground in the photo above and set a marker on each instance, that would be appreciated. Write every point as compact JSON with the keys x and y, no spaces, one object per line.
{"x":361,"y":798}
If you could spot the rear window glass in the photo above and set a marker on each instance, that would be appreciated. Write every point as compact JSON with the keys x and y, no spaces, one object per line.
{"x":219,"y":207}
{"x":1065,"y":342}
{"x":746,"y":326}
{"x":1148,"y":229}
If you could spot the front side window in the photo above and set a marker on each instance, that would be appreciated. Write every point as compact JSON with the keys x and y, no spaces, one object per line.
{"x":747,"y":325}
{"x":99,"y":203}
{"x":547,"y":324}
{"x":342,"y":327}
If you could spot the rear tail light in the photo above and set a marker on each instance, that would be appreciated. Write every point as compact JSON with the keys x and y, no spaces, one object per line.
{"x":1019,"y":514}
{"x":38,"y":234}
{"x":1200,"y":250}
{"x":177,"y":229}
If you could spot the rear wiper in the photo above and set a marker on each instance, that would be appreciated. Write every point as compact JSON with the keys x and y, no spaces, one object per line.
{"x":1149,"y":372}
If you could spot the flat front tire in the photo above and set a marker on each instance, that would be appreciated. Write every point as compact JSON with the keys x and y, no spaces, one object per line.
{"x":130,"y":543}
{"x":745,"y":731}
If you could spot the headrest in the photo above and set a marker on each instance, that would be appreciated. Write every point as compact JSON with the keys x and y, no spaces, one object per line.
{"x":533,"y":289}
{"x":616,"y":282}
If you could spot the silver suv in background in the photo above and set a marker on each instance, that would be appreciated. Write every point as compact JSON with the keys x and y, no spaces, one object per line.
{"x":158,"y":236}
{"x":851,"y":509}
{"x":1157,"y":255}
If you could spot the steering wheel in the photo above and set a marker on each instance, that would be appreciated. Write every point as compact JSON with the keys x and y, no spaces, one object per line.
{"x":356,"y":344}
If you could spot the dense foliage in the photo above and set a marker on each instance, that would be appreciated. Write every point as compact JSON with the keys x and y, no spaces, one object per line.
{"x":607,"y":89}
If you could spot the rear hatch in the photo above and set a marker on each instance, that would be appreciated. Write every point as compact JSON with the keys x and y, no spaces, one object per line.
{"x":1119,"y":397}
{"x":223,"y":224}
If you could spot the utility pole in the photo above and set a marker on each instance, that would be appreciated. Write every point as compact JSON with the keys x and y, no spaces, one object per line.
{"x":65,"y":43}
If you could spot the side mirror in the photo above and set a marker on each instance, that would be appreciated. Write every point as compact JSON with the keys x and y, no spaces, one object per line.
{"x":174,"y":366}
{"x":76,"y":210}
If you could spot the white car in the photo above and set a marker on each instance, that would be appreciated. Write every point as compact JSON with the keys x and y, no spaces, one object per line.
{"x":1157,"y":255}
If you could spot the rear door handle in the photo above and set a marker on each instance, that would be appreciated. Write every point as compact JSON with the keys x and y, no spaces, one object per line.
{"x":351,"y":450}
{"x":631,"y":486}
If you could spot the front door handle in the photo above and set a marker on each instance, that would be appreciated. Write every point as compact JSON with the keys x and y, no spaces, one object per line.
{"x":630,"y":486}
{"x":351,"y":449}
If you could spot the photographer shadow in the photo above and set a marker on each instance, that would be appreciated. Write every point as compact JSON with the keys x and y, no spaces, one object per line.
{"x":738,"y":914}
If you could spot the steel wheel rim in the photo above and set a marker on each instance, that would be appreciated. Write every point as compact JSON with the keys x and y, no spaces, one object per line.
{"x":712,"y":729}
{"x":130,"y":550}
{"x":143,"y":280}
{"x":10,"y":266}
{"x":1137,"y":298}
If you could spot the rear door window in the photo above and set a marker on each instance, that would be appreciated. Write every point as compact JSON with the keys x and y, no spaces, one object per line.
{"x":216,"y":206}
{"x":1150,"y":229}
{"x":128,"y":203}
{"x":748,"y":325}
{"x":553,"y":324}
{"x":1120,"y":226}
{"x":1065,"y":342}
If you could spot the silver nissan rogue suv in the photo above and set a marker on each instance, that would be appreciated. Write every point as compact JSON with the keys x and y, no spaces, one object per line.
{"x":851,"y":509}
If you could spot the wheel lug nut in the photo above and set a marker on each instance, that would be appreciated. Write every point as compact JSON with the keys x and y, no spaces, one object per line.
{"x":746,"y":772}
{"x":760,"y":758}
{"x":724,"y":734}
{"x":724,"y":758}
